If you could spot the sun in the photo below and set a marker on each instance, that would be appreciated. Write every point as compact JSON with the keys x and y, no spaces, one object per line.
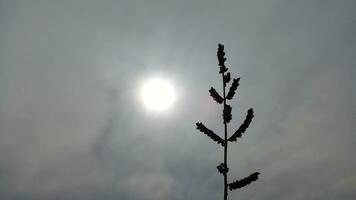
{"x":158,"y":94}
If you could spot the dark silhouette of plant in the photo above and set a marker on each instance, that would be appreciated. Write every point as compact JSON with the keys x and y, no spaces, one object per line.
{"x":222,"y":168}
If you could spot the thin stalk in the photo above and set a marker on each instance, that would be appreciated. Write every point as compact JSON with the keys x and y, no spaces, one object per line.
{"x":222,"y":168}
{"x":225,"y":146}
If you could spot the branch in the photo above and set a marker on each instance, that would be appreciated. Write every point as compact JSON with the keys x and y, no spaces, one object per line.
{"x":210,"y":133}
{"x":243,"y":126}
{"x":243,"y":182}
{"x":234,"y":85}
{"x":216,"y":95}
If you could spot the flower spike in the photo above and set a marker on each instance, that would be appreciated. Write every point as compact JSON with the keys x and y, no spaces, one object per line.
{"x":243,"y":126}
{"x":234,"y":85}
{"x":216,"y":96}
{"x":210,"y":133}
{"x":243,"y":182}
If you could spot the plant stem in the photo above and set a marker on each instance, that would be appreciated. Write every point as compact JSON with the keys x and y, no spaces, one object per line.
{"x":225,"y":146}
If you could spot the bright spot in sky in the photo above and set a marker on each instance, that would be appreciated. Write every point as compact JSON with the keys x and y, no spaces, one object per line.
{"x":158,"y":94}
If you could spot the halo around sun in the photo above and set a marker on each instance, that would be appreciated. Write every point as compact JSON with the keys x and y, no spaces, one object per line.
{"x":158,"y":94}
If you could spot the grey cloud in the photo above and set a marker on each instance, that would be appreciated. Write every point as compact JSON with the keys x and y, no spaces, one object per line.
{"x":72,"y":125}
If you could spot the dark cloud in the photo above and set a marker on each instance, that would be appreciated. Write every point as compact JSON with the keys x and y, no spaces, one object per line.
{"x":72,"y":125}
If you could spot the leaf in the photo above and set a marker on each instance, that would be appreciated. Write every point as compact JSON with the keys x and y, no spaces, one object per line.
{"x":210,"y":133}
{"x":243,"y":182}
{"x":227,"y":113}
{"x":227,"y":78}
{"x":243,"y":126}
{"x":222,"y":168}
{"x":234,"y":85}
{"x":221,"y":58}
{"x":216,"y":95}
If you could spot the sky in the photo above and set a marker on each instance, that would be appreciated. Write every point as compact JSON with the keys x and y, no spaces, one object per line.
{"x":73,"y":125}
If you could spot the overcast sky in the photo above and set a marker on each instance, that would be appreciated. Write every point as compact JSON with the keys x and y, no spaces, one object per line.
{"x":73,"y":126}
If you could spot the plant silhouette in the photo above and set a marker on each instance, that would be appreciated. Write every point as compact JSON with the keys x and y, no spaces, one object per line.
{"x":223,"y":168}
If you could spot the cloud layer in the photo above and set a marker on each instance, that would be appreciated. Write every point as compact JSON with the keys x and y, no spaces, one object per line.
{"x":72,"y":125}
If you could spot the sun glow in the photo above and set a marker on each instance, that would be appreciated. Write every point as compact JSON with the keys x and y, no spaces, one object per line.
{"x":158,"y":94}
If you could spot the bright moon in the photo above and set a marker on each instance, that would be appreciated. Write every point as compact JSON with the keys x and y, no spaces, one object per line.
{"x":158,"y":94}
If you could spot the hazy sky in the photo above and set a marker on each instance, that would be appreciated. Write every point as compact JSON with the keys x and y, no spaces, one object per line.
{"x":73,"y":126}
